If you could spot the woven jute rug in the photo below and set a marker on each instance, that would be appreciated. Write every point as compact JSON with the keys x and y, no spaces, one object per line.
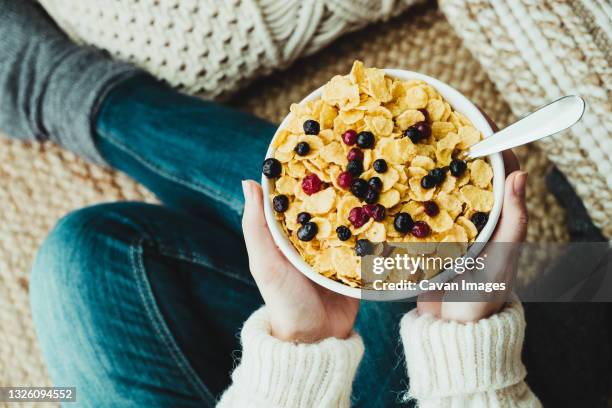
{"x":41,"y":183}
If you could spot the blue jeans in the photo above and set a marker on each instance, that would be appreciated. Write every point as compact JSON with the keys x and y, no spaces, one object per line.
{"x":141,"y":305}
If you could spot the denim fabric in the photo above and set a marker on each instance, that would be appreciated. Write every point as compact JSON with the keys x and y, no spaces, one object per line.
{"x":49,"y":86}
{"x":141,"y":305}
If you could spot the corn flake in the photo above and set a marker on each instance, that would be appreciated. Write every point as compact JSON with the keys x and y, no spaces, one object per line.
{"x":415,"y":98}
{"x":389,"y":198}
{"x":423,"y":162}
{"x":377,"y":85}
{"x":285,"y":185}
{"x":324,"y":227}
{"x":441,"y":222}
{"x":477,"y":198}
{"x":467,"y":137}
{"x":441,"y":129}
{"x":376,"y":233}
{"x":341,"y":92}
{"x":334,"y":153}
{"x":468,"y":226}
{"x":481,"y":173}
{"x":417,"y":192}
{"x":321,"y":202}
{"x":435,"y":109}
{"x":408,"y":118}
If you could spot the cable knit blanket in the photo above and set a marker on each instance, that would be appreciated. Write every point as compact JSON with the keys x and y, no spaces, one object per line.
{"x":536,"y":51}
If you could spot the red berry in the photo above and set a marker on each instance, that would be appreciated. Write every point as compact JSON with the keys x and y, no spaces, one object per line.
{"x":376,"y":211}
{"x":349,"y":137}
{"x":344,"y":180}
{"x":431,"y":208}
{"x":369,"y":209}
{"x":420,"y":229}
{"x":311,"y":184}
{"x":358,"y":217}
{"x":355,"y":154}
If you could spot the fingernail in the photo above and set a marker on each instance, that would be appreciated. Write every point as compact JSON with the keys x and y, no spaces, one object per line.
{"x":246,"y":190}
{"x":520,"y":184}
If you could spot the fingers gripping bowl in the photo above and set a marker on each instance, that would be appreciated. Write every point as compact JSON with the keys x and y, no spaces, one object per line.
{"x":372,"y":156}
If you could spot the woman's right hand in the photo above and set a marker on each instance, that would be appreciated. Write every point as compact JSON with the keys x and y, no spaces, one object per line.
{"x":299,"y":309}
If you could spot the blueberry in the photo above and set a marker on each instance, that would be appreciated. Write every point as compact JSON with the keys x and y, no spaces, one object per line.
{"x":307,"y":231}
{"x":303,"y":218}
{"x":302,"y":148}
{"x":311,"y":127}
{"x":371,"y":196}
{"x":355,"y":167}
{"x":428,"y":182}
{"x":376,"y":183}
{"x":378,"y":212}
{"x":344,"y":233}
{"x":439,"y":174}
{"x":271,"y":168}
{"x":380,"y":166}
{"x":457,"y":167}
{"x":424,"y":129}
{"x":480,"y":219}
{"x":403,"y":222}
{"x":280,"y":203}
{"x":431,"y":208}
{"x":359,"y":188}
{"x":413,"y":134}
{"x":365,"y":140}
{"x":363,"y":247}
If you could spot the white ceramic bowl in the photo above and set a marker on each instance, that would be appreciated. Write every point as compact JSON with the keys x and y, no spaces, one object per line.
{"x":459,"y":103}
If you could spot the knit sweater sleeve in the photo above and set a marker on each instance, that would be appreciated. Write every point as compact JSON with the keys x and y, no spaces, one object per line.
{"x":449,"y":365}
{"x":50,"y":88}
{"x":476,"y":364}
{"x":275,"y":374}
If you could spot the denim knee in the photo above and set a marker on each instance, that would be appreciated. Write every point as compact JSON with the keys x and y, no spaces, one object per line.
{"x":69,"y":254}
{"x":96,"y":317}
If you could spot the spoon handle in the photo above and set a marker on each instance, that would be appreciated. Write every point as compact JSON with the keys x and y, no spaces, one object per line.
{"x":546,"y":121}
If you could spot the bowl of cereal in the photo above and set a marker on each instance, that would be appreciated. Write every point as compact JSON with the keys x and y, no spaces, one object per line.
{"x":372,"y":157}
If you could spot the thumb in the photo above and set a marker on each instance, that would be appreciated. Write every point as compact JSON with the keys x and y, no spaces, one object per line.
{"x":512,"y":226}
{"x":260,"y":246}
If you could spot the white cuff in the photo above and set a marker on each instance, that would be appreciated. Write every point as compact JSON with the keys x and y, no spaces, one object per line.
{"x":448,"y":359}
{"x":284,"y":374}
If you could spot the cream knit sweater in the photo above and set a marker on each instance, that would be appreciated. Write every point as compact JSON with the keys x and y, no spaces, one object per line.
{"x":449,"y":365}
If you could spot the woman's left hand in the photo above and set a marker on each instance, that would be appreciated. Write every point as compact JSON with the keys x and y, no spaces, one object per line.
{"x":299,"y":309}
{"x":511,"y":229}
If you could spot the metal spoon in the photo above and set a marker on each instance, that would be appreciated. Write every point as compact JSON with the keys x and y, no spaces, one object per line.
{"x":546,"y":121}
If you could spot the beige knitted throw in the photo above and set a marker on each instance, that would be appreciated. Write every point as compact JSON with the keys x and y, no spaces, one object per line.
{"x":536,"y":51}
